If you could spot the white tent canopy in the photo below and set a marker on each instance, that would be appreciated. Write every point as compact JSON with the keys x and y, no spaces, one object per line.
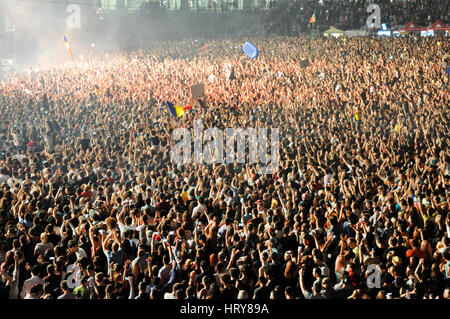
{"x":333,"y":32}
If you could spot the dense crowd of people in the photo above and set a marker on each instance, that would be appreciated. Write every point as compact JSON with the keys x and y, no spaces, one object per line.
{"x":292,"y":17}
{"x":288,"y":16}
{"x":93,"y":207}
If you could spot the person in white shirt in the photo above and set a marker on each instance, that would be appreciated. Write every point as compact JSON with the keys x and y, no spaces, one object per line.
{"x":171,"y":295}
{"x":29,"y":283}
{"x":4,"y":175}
{"x":13,"y":180}
{"x":142,"y":228}
{"x":36,"y":292}
{"x":18,"y":157}
{"x":43,"y":245}
{"x":67,"y":292}
{"x":164,"y":272}
{"x":80,"y":253}
{"x":200,"y":208}
{"x":127,"y":225}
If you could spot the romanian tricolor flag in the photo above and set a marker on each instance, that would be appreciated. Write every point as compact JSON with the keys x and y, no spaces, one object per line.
{"x":67,"y":46}
{"x":313,"y":18}
{"x":177,"y":110}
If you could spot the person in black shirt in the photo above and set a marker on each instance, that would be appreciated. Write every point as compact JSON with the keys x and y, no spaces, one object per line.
{"x":142,"y":292}
{"x":4,"y":290}
{"x":228,"y":291}
{"x":52,"y":279}
{"x":154,"y":140}
{"x":307,"y":245}
{"x":163,"y":206}
{"x":204,"y":272}
{"x":51,"y":236}
{"x":85,"y":141}
{"x":27,"y":249}
{"x":37,"y":229}
{"x":262,"y":292}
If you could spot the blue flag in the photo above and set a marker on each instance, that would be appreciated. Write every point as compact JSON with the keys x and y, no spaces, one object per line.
{"x":250,"y":49}
{"x":172,"y":109}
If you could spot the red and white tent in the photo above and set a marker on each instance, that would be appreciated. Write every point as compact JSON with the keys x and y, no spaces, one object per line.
{"x":438,"y":26}
{"x":411,"y":26}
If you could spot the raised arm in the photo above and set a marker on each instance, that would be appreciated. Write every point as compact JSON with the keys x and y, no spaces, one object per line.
{"x":301,"y":273}
{"x":132,"y":294}
{"x":105,"y":241}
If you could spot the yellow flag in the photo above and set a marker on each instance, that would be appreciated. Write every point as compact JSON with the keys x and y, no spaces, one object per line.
{"x":397,"y":128}
{"x":179,"y":110}
{"x":357,"y":117}
{"x":184,"y":197}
